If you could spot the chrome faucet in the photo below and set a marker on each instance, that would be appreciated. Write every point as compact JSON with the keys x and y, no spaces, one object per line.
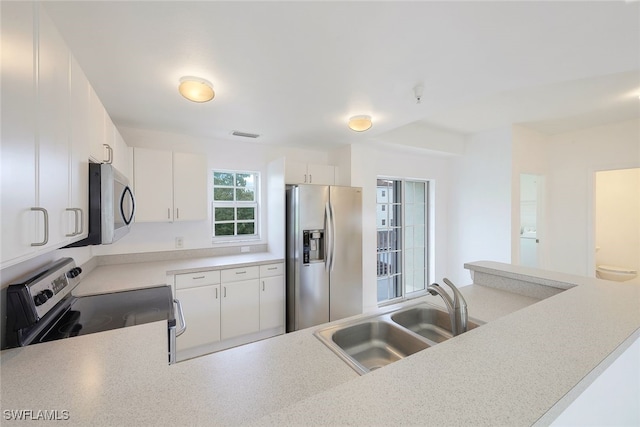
{"x":457,"y":307}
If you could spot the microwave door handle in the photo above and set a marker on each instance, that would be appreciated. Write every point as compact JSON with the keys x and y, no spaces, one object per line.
{"x":128,"y":220}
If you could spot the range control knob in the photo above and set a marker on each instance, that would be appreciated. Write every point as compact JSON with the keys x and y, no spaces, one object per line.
{"x":42,"y":297}
{"x":74,"y":272}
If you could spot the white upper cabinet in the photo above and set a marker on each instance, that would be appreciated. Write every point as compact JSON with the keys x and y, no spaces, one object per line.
{"x":189,"y":186}
{"x":48,"y":123}
{"x":307,"y":173}
{"x":80,"y":90}
{"x":169,"y":186}
{"x":53,"y":130}
{"x":18,"y":131}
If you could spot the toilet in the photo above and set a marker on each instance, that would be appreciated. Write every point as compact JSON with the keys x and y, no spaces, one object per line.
{"x":618,"y":274}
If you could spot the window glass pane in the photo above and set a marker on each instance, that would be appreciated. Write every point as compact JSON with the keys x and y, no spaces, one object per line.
{"x":246,"y":213}
{"x":244,"y":180}
{"x":246,"y":228}
{"x":395,"y":242}
{"x":419,"y":192}
{"x":383,"y":240}
{"x":418,"y":214}
{"x":224,"y":214}
{"x":384,"y":289}
{"x":223,"y":178}
{"x":223,"y":194}
{"x":418,"y":234}
{"x":245,"y":195}
{"x":408,"y":192}
{"x":395,"y":216}
{"x":224,"y":229}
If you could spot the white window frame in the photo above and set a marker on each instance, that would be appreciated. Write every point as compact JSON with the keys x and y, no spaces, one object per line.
{"x":235,"y":204}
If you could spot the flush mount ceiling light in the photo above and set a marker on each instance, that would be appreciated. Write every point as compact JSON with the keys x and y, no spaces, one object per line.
{"x":360,"y":123}
{"x":196,"y":89}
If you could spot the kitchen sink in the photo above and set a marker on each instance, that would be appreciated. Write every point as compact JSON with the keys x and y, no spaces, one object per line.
{"x":376,"y":343}
{"x":428,"y":322}
{"x":372,"y":342}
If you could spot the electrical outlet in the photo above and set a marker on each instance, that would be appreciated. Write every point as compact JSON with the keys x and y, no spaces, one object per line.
{"x":245,"y":249}
{"x":179,"y":242}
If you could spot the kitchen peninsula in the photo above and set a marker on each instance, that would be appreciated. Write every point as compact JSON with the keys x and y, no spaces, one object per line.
{"x":510,"y":371}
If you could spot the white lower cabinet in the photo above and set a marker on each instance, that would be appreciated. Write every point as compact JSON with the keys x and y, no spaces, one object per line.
{"x":272,"y":297}
{"x":240,"y":313}
{"x":199,"y":295}
{"x":229,"y":307}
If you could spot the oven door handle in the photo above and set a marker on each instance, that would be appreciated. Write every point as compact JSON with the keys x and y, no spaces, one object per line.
{"x":183,"y":324}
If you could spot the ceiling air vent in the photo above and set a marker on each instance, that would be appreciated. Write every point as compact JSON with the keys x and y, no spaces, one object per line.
{"x":244,"y":134}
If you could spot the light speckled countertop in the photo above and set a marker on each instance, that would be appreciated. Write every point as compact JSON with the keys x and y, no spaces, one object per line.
{"x":510,"y":371}
{"x":121,"y":277}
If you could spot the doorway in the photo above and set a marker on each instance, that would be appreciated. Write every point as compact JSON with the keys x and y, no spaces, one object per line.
{"x":531,"y":219}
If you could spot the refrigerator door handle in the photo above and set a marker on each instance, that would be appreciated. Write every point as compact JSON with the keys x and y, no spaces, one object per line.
{"x":328,"y":237}
{"x":332,"y":225}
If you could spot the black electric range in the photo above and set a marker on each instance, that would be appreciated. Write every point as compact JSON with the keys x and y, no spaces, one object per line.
{"x":42,"y":309}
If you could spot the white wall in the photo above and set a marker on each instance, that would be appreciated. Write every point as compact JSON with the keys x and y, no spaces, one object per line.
{"x":370,"y":161}
{"x":617,"y":219}
{"x":480,"y":209}
{"x":574,"y":157}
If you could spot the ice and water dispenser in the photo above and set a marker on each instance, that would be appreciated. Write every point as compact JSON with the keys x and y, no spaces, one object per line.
{"x":312,"y":246}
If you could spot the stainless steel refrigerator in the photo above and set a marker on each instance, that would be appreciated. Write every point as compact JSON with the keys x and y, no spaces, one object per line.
{"x":324,"y":254}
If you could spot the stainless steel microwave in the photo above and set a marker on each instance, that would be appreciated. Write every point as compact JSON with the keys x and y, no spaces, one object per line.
{"x":111,"y":205}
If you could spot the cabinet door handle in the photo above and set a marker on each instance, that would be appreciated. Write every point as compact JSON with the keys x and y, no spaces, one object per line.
{"x":241,"y":272}
{"x":197,"y":277}
{"x":310,"y":179}
{"x":177,"y":213}
{"x":305,"y":178}
{"x":81,"y":215}
{"x":225,"y":291}
{"x":75,"y":222}
{"x":46,"y":226}
{"x":272,"y":268}
{"x":263,"y":286}
{"x":109,"y":153}
{"x":168,"y":213}
{"x":216,"y":293}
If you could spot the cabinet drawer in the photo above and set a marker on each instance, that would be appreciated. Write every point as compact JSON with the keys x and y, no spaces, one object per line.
{"x":270,"y":270}
{"x":193,"y":280}
{"x":245,"y":273}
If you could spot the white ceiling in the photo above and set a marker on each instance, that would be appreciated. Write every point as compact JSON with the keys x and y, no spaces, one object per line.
{"x":294,"y":72}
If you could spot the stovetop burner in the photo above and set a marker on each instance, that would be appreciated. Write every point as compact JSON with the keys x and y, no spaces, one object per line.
{"x":98,"y":313}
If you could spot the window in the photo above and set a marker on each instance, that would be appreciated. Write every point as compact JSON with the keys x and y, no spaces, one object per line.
{"x":235,"y":205}
{"x":402,"y":238}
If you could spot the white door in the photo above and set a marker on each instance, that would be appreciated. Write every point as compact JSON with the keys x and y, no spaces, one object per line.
{"x":189,"y":187}
{"x":271,"y":302}
{"x":201,"y":308}
{"x":53,"y":130}
{"x":18,"y":169}
{"x":240,"y":308}
{"x":153,"y":185}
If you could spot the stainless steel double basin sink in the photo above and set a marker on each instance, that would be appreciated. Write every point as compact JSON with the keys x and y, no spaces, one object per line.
{"x":372,"y":342}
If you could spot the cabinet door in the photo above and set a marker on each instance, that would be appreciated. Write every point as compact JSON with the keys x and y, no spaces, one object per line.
{"x":96,"y":127}
{"x":295,"y":173}
{"x":80,"y":102}
{"x":321,"y":174}
{"x":121,"y":160}
{"x":53,"y":130}
{"x":18,"y":169}
{"x":189,"y":187}
{"x":153,"y":185}
{"x":201,"y":308}
{"x":240,"y":308}
{"x":271,"y":302}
